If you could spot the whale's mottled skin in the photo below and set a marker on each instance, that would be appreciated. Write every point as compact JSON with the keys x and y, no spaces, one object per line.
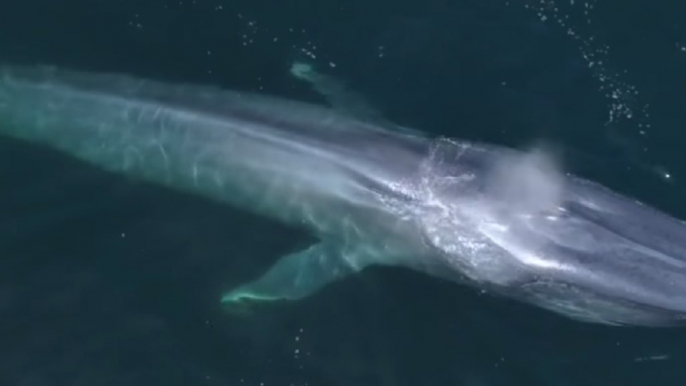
{"x":490,"y":217}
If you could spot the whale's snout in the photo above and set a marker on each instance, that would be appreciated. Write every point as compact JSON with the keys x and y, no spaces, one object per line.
{"x":629,"y":257}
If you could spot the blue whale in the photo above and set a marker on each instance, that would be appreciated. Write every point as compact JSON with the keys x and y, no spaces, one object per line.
{"x":497,"y":219}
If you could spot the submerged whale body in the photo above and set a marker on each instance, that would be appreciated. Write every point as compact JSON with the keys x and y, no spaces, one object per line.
{"x":485,"y":216}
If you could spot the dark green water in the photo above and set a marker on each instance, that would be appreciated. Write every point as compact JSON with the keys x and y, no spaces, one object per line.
{"x":104,"y":281}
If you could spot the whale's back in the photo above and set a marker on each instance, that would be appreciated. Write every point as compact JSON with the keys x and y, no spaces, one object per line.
{"x":232,"y":146}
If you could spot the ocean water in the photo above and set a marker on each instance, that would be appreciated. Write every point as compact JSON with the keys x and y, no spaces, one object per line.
{"x":108,"y":281}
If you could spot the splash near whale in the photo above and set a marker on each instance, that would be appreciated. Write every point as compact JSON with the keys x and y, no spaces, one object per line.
{"x":372,"y":192}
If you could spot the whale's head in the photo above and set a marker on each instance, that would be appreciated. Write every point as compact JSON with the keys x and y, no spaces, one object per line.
{"x":513,"y":225}
{"x":611,"y":259}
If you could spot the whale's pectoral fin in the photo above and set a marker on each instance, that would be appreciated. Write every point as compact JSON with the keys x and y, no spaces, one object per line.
{"x":336,"y":93}
{"x":299,"y":274}
{"x":343,"y":99}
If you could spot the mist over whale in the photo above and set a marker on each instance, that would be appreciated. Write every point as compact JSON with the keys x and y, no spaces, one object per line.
{"x":374,"y":193}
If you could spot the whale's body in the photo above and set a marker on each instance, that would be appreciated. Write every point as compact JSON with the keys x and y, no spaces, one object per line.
{"x":482,"y":215}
